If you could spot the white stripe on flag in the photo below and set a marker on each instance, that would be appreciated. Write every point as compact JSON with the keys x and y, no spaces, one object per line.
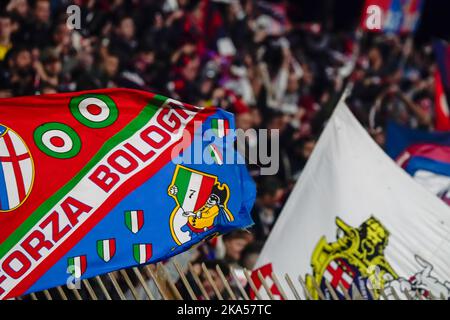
{"x":328,"y":276}
{"x":3,"y":149}
{"x":11,"y":184}
{"x":134,"y":221}
{"x":106,"y":253}
{"x":77,"y":266}
{"x":217,"y":155}
{"x":19,"y":147}
{"x":194,"y":185}
{"x":142,"y":253}
{"x":220,"y":128}
{"x":347,"y":278}
{"x":27,"y":173}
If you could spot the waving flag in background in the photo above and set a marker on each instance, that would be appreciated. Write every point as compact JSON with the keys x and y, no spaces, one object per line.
{"x":442,"y":85}
{"x":355,"y":218}
{"x":95,"y":181}
{"x":397,"y":16}
{"x":424,"y":155}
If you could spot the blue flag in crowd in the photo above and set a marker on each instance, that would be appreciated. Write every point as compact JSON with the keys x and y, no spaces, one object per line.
{"x":424,"y":155}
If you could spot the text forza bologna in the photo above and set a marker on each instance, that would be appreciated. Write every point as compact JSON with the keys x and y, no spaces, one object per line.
{"x":145,"y":147}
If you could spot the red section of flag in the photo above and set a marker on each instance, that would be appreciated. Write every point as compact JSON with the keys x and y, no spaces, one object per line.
{"x":83,"y":264}
{"x":426,"y":150}
{"x":140,"y":219}
{"x":266,"y":272}
{"x":415,"y":6}
{"x":384,"y":5}
{"x":148,"y":251}
{"x":442,"y":118}
{"x":112,"y":247}
{"x":25,"y":114}
{"x":205,"y":190}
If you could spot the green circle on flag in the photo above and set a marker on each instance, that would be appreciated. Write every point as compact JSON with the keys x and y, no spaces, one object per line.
{"x":57,"y":140}
{"x":107,"y":110}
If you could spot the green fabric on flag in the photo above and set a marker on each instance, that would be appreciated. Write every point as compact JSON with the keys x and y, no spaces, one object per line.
{"x":71,"y":266}
{"x":100,"y":249}
{"x":136,"y":252}
{"x":182,"y":183}
{"x":128,"y":219}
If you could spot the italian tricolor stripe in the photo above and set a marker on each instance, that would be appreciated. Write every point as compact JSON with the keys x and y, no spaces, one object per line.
{"x":216,"y":154}
{"x":106,"y":249}
{"x":134,"y":220}
{"x":220,"y":127}
{"x":77,"y":265}
{"x":193,"y":188}
{"x":142,"y":252}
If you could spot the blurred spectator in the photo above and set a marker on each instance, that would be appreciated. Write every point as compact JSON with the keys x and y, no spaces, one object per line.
{"x":250,"y":255}
{"x":5,"y":35}
{"x":267,"y":207}
{"x":210,"y":287}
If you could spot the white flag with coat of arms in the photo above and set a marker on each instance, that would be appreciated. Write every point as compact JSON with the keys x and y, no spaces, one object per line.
{"x":357,"y":221}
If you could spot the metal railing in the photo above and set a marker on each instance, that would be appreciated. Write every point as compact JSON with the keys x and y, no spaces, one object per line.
{"x":172,"y":281}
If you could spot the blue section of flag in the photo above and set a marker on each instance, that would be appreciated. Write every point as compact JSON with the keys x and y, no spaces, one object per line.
{"x":152,"y":197}
{"x":4,"y":202}
{"x":395,"y":20}
{"x":427,"y":164}
{"x":400,"y":14}
{"x":399,"y":138}
{"x":2,"y":130}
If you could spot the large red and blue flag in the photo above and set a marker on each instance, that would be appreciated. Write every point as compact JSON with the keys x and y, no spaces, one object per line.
{"x":95,"y":181}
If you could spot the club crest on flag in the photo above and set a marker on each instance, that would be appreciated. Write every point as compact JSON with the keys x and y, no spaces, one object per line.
{"x":350,"y":259}
{"x":201,"y":204}
{"x":357,"y":260}
{"x":77,"y":265}
{"x":106,"y":249}
{"x":16,"y":170}
{"x":134,"y":220}
{"x":142,"y":252}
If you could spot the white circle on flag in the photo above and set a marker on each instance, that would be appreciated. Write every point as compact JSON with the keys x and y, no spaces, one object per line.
{"x":50,"y":134}
{"x":104,"y":110}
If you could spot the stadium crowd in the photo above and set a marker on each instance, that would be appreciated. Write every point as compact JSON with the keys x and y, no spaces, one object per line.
{"x":253,"y":58}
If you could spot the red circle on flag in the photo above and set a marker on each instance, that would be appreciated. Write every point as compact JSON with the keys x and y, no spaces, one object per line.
{"x":94,"y":109}
{"x":57,"y":141}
